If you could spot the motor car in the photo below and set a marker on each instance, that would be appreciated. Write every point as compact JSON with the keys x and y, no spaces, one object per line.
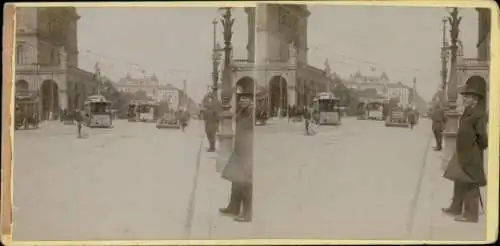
{"x":397,"y":117}
{"x":168,"y":121}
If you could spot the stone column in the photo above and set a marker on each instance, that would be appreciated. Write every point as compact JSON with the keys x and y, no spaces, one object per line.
{"x":291,"y":95}
{"x":484,"y":22}
{"x":251,"y":33}
{"x":261,"y":34}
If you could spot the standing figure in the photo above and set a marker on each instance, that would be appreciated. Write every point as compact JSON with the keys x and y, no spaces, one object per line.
{"x":307,"y":120}
{"x":211,"y":118}
{"x":79,"y":122}
{"x":412,"y":117}
{"x":182,"y":118}
{"x":239,"y":168}
{"x":438,"y":124}
{"x":466,"y":167}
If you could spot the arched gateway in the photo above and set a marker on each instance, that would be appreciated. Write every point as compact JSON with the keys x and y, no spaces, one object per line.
{"x":50,"y":98}
{"x":278,"y":94}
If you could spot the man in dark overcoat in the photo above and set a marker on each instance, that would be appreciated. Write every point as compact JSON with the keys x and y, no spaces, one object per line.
{"x":239,"y":167}
{"x":211,"y":116}
{"x":438,"y":124}
{"x":466,"y":167}
{"x":412,"y":117}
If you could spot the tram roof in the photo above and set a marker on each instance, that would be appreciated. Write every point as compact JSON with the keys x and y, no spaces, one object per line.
{"x":140,"y":102}
{"x":96,"y":99}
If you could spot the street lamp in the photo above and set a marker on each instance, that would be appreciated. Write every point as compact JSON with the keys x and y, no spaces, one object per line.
{"x":226,"y":133}
{"x":444,"y":60}
{"x":451,"y":113}
{"x":216,"y":55}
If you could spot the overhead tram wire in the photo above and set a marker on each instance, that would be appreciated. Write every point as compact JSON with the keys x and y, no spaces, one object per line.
{"x":371,"y":63}
{"x":121,"y":60}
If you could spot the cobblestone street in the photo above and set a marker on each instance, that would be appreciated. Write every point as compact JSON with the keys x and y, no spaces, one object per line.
{"x":129,"y":182}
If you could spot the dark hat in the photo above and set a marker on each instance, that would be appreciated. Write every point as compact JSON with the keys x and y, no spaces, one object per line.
{"x":475,"y":85}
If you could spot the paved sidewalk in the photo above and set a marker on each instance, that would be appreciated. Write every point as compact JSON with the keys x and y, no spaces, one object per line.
{"x":435,"y":193}
{"x":213,"y":193}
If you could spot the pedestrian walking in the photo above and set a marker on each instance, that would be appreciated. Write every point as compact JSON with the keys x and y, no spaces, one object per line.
{"x":181,"y":117}
{"x":466,"y":167}
{"x":438,"y":124}
{"x":239,"y":167}
{"x":79,"y":122}
{"x":307,"y":120}
{"x":412,"y":117}
{"x":211,"y":118}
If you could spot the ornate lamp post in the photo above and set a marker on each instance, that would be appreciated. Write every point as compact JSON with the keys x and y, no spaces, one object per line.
{"x":226,"y":133}
{"x":452,"y":114}
{"x":216,"y":56}
{"x":444,"y":60}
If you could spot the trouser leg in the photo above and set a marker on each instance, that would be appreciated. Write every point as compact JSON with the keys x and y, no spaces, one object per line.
{"x":471,"y":202}
{"x":236,"y":198}
{"x":247,"y":191}
{"x":211,"y":139}
{"x":457,"y":199}
{"x":438,"y":137}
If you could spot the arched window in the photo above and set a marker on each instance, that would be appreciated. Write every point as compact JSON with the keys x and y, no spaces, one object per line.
{"x":54,"y":56}
{"x":21,"y":54}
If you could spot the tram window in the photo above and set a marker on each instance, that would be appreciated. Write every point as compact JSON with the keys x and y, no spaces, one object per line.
{"x":144,"y":109}
{"x":374,"y":106}
{"x":327,"y":106}
{"x":100,"y":108}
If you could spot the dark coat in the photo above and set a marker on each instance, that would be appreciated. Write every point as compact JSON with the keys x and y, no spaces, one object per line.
{"x":438,"y":119}
{"x":412,"y":116}
{"x":240,"y":163}
{"x":211,"y":113}
{"x":467,"y":163}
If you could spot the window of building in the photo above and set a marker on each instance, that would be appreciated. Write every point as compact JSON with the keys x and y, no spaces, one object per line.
{"x":21,"y":55}
{"x":55,"y":58}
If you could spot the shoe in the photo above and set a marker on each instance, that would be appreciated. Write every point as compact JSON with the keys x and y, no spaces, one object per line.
{"x":437,"y":148}
{"x":210,"y":150}
{"x":243,"y":219}
{"x":228,"y":211}
{"x":464,"y":219}
{"x":449,"y":212}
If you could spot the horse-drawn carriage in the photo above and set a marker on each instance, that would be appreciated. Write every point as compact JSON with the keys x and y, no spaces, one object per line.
{"x":27,"y":112}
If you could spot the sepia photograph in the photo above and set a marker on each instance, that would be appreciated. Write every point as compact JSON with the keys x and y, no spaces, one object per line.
{"x":367,"y":107}
{"x":117,"y":113}
{"x":251,"y":120}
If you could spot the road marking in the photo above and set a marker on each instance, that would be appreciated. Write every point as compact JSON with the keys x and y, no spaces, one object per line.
{"x":192,"y":196}
{"x":413,"y":205}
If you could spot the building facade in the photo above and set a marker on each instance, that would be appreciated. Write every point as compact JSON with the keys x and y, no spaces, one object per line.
{"x":360,"y":82}
{"x":401,"y":92}
{"x":279,"y":66}
{"x":381,"y":86}
{"x":149,"y":85}
{"x":170,"y":94}
{"x":46,"y":57}
{"x":480,"y":65}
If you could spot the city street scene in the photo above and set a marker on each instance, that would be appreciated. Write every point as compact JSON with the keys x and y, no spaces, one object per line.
{"x":268,"y":121}
{"x":117,"y":123}
{"x":362,"y":139}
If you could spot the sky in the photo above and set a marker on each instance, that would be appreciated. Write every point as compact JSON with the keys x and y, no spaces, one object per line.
{"x":176,"y":43}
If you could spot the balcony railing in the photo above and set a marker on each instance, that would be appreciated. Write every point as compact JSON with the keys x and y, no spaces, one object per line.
{"x":243,"y":61}
{"x":475,"y":61}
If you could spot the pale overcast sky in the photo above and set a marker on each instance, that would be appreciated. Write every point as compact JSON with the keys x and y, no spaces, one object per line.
{"x":404,"y":42}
